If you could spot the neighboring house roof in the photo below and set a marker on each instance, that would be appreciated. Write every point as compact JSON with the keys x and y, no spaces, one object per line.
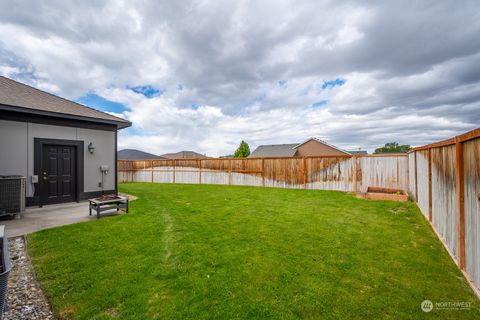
{"x":358,"y":152}
{"x":275,"y":150}
{"x":133,"y":154}
{"x":184,"y":155}
{"x":287,"y":150}
{"x":19,"y":97}
{"x":322,"y":142}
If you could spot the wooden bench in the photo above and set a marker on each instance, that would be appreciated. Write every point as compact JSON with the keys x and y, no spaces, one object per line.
{"x":109,"y":202}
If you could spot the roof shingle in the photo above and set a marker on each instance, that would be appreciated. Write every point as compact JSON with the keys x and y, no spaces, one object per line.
{"x":134,"y":154}
{"x":275,"y":150}
{"x":184,"y":155}
{"x":16,"y":94}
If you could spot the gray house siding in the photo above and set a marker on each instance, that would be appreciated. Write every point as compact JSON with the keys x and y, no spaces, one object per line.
{"x":13,"y":148}
{"x":17,"y":151}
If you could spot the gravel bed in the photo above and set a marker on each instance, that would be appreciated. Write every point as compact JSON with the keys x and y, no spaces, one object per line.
{"x":25,"y":298}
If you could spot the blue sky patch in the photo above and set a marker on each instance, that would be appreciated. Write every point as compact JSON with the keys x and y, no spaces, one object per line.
{"x":147,"y":90}
{"x":179,"y":87}
{"x":259,"y":98}
{"x":282,"y":83}
{"x":95,"y":101}
{"x":195,"y":106}
{"x":251,"y":102}
{"x":329,"y":84}
{"x":319,"y":104}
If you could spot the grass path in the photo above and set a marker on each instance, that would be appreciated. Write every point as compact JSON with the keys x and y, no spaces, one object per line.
{"x":219,"y":252}
{"x":168,"y":235}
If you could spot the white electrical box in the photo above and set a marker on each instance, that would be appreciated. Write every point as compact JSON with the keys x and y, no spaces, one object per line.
{"x":104,"y":168}
{"x":34,"y":179}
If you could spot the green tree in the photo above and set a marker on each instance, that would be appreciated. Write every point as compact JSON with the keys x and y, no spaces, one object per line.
{"x":242,"y":151}
{"x":393,"y":147}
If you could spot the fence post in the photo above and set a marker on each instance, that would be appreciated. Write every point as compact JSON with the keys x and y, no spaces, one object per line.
{"x":305,"y":176}
{"x":416,"y":176}
{"x":230,"y":171}
{"x":144,"y":173}
{"x":151,"y":168}
{"x":263,"y":172}
{"x":174,"y":162}
{"x":398,"y":169}
{"x":430,"y":184}
{"x":199,"y":164}
{"x":354,"y":159}
{"x":407,"y":177}
{"x":460,"y":186}
{"x":130,"y":173}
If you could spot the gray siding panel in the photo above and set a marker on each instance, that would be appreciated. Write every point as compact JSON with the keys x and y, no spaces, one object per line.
{"x":18,"y":139}
{"x":13,"y":148}
{"x":104,"y":154}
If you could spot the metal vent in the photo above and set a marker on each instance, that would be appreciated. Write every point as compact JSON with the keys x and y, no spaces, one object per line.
{"x":12,"y":194}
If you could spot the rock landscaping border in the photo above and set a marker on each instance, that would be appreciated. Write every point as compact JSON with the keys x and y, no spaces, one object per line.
{"x":25,"y":297}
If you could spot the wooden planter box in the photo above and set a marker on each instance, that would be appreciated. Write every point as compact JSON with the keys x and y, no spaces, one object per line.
{"x":375,"y":193}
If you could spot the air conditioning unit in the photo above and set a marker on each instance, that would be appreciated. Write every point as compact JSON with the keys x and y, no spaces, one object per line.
{"x":12,"y":194}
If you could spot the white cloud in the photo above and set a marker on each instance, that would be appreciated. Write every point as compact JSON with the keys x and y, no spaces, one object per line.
{"x":409,"y":71}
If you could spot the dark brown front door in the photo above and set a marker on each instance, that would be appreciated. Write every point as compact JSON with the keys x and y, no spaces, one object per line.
{"x":58,"y":174}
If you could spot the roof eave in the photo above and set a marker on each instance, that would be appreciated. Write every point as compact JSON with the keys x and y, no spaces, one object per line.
{"x":120,"y":124}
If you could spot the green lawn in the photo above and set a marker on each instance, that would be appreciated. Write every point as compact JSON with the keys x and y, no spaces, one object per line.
{"x":220,"y":252}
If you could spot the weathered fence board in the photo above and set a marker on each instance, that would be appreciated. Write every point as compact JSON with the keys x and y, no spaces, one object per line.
{"x":283,"y":172}
{"x":330,"y":174}
{"x":444,"y":195}
{"x":412,"y":176}
{"x":383,"y":171}
{"x":422,"y":181}
{"x":471,"y":158}
{"x":323,"y":173}
{"x":447,"y":189}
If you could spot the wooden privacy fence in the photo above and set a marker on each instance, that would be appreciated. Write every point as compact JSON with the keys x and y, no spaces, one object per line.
{"x":444,"y":179}
{"x":343,"y":173}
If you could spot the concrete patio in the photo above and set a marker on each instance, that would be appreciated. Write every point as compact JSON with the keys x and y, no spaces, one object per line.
{"x":35,"y":219}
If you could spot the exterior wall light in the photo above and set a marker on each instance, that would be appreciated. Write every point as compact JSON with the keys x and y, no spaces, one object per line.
{"x":91,"y":148}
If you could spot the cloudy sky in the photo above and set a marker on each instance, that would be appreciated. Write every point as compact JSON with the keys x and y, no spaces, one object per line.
{"x":203,"y":75}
